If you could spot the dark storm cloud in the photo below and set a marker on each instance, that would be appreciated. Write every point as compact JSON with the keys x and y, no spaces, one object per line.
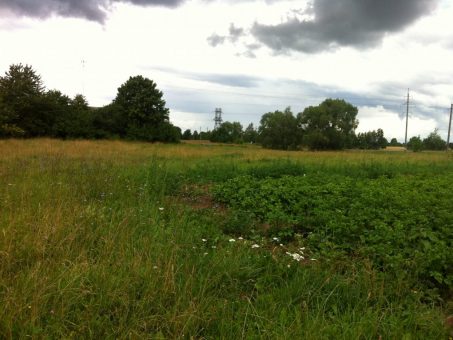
{"x":356,"y":23}
{"x":94,"y":10}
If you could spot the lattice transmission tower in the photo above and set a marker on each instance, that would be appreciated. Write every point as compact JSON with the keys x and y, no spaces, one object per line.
{"x":218,"y":118}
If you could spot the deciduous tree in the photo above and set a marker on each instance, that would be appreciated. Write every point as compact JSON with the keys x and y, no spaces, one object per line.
{"x":330,"y":125}
{"x":144,"y":111}
{"x":279,"y":130}
{"x":434,"y":142}
{"x":227,"y":132}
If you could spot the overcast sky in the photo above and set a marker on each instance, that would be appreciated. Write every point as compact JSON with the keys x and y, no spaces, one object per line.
{"x":247,"y":57}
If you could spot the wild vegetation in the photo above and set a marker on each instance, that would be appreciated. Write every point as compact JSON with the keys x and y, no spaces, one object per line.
{"x":111,"y":239}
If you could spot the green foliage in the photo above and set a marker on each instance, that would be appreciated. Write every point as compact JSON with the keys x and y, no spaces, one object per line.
{"x":401,"y":224}
{"x":330,"y":125}
{"x":205,"y":135}
{"x":415,"y":144}
{"x":278,"y":130}
{"x":434,"y":142}
{"x":373,"y":140}
{"x":394,"y":142}
{"x":227,"y":132}
{"x":109,"y":122}
{"x":250,"y":134}
{"x":27,"y":110}
{"x":23,"y":109}
{"x":276,"y":169}
{"x":7,"y":127}
{"x":187,"y":135}
{"x":142,"y":108}
{"x":72,"y":117}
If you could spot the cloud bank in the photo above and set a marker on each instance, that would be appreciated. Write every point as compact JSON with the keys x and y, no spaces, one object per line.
{"x":94,"y":10}
{"x":355,"y":23}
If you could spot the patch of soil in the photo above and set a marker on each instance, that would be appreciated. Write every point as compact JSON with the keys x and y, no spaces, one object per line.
{"x":198,"y":197}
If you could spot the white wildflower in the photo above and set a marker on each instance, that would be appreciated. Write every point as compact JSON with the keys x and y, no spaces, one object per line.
{"x":240,"y":238}
{"x":296,"y":257}
{"x":204,"y":240}
{"x":255,"y":246}
{"x":161,"y":209}
{"x":231,"y":240}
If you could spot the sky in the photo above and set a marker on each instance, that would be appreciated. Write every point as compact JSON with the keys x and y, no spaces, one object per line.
{"x":248,"y":57}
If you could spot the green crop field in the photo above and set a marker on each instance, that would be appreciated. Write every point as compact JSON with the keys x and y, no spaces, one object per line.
{"x":110,"y":239}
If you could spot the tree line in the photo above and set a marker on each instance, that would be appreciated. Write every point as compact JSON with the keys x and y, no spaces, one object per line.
{"x":329,"y":126}
{"x":27,"y":109}
{"x":139,"y":112}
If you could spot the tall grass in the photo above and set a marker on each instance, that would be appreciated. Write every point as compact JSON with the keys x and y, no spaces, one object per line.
{"x":96,"y":242}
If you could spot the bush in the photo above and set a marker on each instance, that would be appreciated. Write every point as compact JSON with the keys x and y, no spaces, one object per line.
{"x":415,"y":144}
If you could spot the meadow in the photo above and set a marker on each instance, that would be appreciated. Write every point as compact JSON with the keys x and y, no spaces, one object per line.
{"x":112,"y":239}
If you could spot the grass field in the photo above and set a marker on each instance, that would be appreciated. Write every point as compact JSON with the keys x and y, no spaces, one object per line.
{"x":110,"y":239}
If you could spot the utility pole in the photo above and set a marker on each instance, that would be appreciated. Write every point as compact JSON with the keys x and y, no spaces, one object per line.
{"x":407,"y":117}
{"x":218,"y":118}
{"x":449,"y":128}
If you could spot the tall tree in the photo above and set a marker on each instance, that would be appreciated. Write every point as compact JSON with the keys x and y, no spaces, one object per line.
{"x":330,"y":125}
{"x":278,"y":130}
{"x":22,"y":104}
{"x":144,"y":110}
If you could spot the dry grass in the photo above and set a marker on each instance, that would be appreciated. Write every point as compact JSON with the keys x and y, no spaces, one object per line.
{"x":395,"y":148}
{"x":122,"y":151}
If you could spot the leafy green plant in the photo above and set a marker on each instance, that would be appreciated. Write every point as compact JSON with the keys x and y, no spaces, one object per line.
{"x":402,"y":224}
